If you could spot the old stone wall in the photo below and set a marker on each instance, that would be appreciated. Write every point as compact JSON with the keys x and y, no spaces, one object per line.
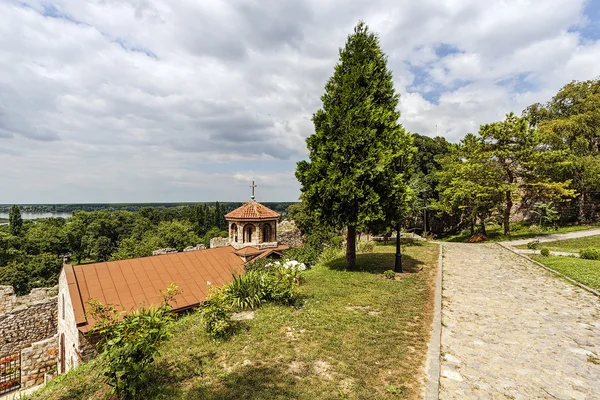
{"x":37,"y":360}
{"x":288,"y":234}
{"x":218,"y":242}
{"x":26,"y":319}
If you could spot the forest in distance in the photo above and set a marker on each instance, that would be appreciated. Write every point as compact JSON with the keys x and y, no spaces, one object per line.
{"x":280,"y":207}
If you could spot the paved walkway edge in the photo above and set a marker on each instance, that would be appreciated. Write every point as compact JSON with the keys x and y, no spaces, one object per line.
{"x":581,"y":285}
{"x":432,"y":386}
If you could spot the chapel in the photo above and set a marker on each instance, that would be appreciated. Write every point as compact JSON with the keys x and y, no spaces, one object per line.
{"x":129,"y":284}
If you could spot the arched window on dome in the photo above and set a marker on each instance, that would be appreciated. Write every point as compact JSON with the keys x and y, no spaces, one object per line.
{"x":266,"y":233}
{"x":248,"y":231}
{"x":234,"y":233}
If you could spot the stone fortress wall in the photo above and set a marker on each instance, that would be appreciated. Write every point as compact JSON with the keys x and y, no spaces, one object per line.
{"x":28,"y":324}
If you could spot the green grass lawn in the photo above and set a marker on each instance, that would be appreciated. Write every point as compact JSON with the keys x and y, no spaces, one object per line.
{"x":357,"y":335}
{"x":570,"y":245}
{"x":495,"y":233}
{"x":583,"y":271}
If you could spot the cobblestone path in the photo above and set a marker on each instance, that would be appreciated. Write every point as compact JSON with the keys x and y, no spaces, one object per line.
{"x":512,"y":330}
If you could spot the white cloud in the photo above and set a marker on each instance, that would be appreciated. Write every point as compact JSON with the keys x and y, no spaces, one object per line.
{"x":155,"y":100}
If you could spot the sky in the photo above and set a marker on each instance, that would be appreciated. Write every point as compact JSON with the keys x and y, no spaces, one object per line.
{"x":187,"y":100}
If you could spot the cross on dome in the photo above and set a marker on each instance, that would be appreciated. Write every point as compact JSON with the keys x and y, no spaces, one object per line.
{"x":253,"y":186}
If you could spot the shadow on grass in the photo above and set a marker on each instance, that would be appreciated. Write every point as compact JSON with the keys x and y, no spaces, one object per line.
{"x":249,"y":382}
{"x":377,"y":263}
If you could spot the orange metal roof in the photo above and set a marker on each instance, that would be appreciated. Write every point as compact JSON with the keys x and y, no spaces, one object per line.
{"x":128,"y":284}
{"x":252,"y":210}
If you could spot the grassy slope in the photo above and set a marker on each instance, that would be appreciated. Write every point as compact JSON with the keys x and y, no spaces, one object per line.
{"x":583,"y":271}
{"x":357,"y":336}
{"x":495,"y":233}
{"x":570,"y":245}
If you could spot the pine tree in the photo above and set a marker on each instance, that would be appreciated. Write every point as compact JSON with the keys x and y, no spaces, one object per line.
{"x":359,"y":152}
{"x":15,"y":221}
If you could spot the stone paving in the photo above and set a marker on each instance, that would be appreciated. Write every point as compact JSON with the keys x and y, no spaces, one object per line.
{"x":512,"y":330}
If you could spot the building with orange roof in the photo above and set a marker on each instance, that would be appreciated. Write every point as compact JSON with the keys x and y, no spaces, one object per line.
{"x":129,"y":284}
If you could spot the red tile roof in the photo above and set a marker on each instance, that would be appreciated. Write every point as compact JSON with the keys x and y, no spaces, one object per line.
{"x":128,"y":284}
{"x":252,"y":210}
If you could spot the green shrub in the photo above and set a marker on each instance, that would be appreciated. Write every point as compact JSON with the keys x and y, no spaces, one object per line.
{"x":216,"y":313}
{"x":274,"y":283}
{"x":591,"y":253}
{"x":245,"y":291}
{"x":364,"y":246}
{"x":307,"y":254}
{"x":258,"y":264}
{"x":389,"y":274}
{"x":545,"y":252}
{"x":330,"y":254}
{"x":534,"y":228}
{"x":533,"y":245}
{"x":129,"y":342}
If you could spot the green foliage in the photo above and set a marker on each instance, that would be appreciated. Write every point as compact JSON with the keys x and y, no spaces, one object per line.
{"x":547,"y":215}
{"x":545,"y":252}
{"x":330,"y":254}
{"x":389,"y":274}
{"x":27,"y":272}
{"x":590,"y":253}
{"x":365,"y":246}
{"x":274,"y":283}
{"x":177,"y":234}
{"x":307,"y":254}
{"x":246,"y":291}
{"x":129,"y":341}
{"x":216,"y":313}
{"x":359,"y":153}
{"x":213,"y":233}
{"x":534,"y":245}
{"x":15,"y":222}
{"x":568,"y":125}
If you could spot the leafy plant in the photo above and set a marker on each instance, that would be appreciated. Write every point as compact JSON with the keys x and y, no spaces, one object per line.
{"x":545,"y":252}
{"x":129,"y":341}
{"x":365,"y":246}
{"x":389,"y":274}
{"x":275,"y":283}
{"x":216,"y":313}
{"x":330,"y":254}
{"x":306,"y":254}
{"x":391,"y":389}
{"x":246,"y":291}
{"x":547,"y":215}
{"x":591,"y":253}
{"x":534,"y":245}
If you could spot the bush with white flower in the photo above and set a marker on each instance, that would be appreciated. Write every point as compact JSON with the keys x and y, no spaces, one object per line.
{"x":291,"y":265}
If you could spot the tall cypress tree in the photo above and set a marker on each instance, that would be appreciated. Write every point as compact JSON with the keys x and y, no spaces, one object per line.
{"x":15,"y":221}
{"x":355,"y":176}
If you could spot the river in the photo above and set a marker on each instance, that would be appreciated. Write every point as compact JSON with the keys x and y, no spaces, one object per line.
{"x":34,"y":215}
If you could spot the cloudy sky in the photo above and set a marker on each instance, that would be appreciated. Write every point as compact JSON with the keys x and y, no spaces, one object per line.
{"x":189,"y":100}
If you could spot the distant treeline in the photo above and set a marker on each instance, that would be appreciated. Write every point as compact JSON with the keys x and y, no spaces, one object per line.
{"x":280,"y":207}
{"x":31,"y":251}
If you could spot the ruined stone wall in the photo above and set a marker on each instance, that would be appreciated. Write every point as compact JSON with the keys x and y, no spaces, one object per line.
{"x":37,"y":360}
{"x":26,"y":319}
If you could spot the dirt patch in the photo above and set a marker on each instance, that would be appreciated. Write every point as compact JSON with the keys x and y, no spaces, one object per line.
{"x":322,"y":368}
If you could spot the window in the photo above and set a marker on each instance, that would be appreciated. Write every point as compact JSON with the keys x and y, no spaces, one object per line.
{"x":63,"y":306}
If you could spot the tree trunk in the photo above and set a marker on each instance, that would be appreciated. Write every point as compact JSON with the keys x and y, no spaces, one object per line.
{"x":351,"y":248}
{"x":581,"y":212}
{"x":472,"y":227}
{"x":509,"y":204}
{"x":482,"y":227}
